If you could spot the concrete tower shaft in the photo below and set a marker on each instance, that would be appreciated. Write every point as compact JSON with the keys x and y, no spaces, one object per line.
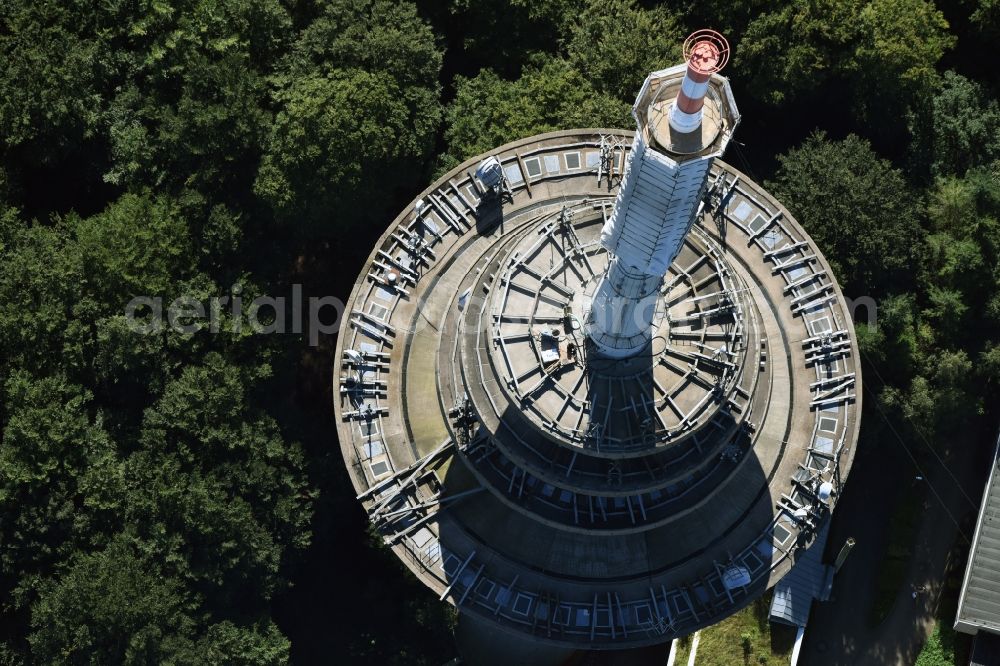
{"x":685,"y":116}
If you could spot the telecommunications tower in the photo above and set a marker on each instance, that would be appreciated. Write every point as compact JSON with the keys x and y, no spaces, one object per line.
{"x":598,"y":389}
{"x":685,"y":116}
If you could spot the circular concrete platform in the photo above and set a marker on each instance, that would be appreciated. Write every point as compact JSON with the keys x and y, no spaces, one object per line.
{"x":560,"y":497}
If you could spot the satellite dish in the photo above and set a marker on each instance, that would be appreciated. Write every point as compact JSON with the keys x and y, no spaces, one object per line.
{"x":735,"y":577}
{"x":490,"y":172}
{"x":354,"y":356}
{"x":825,"y":491}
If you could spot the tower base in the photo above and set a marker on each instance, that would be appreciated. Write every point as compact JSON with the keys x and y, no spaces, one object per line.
{"x":623,"y":311}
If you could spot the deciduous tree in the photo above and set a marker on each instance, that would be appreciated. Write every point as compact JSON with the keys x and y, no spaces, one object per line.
{"x":615,"y":44}
{"x":489,"y":111}
{"x":857,"y":207}
{"x":956,"y":129}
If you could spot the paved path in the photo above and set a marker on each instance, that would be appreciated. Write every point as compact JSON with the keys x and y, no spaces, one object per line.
{"x":839,"y":631}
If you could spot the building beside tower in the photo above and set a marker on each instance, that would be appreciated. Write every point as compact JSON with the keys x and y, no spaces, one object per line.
{"x":978,"y":611}
{"x":598,"y":389}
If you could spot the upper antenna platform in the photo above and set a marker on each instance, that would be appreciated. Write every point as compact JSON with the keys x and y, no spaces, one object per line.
{"x":706,"y":51}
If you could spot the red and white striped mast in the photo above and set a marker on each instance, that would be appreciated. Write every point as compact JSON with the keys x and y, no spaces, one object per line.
{"x":706,"y":52}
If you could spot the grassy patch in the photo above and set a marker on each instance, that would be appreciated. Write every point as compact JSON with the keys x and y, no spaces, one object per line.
{"x":945,"y":646}
{"x":745,"y":638}
{"x":942,"y":648}
{"x":903,"y":527}
{"x":683,"y":650}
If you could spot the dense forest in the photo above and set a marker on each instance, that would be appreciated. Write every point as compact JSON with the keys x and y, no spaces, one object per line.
{"x":178,"y":497}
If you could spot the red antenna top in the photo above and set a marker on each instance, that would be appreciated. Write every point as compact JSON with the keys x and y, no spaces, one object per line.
{"x":706,"y":51}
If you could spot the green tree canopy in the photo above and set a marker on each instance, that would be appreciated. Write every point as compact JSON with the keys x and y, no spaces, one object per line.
{"x":191,"y":110}
{"x":214,"y":488}
{"x":357,"y":96}
{"x":857,"y":207}
{"x":901,"y":42}
{"x":204,"y":482}
{"x":333,"y":130}
{"x":55,"y":67}
{"x":65,"y":283}
{"x":795,"y":46}
{"x":112,"y":607}
{"x":489,"y":111}
{"x":963,"y":258}
{"x":886,"y":50}
{"x":940,"y":399}
{"x":957,"y":129}
{"x":169,"y":93}
{"x":40,"y":285}
{"x":614,"y":45}
{"x":117,"y":606}
{"x":139,"y":246}
{"x":503,"y":36}
{"x":373,"y":35}
{"x":60,"y":480}
{"x":987,"y":17}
